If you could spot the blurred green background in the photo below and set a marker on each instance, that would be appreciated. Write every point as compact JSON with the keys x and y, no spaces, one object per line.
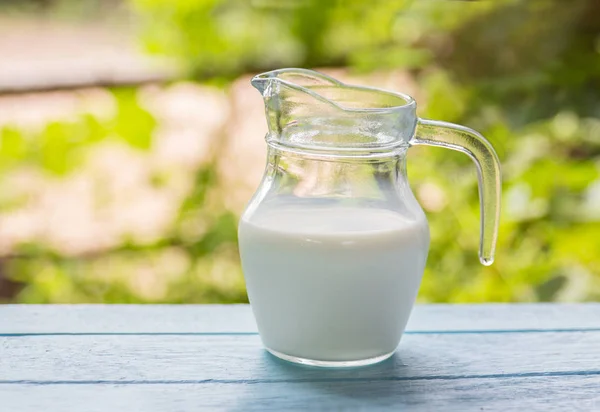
{"x":127,"y":187}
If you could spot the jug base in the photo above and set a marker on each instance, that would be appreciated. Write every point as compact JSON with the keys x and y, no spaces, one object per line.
{"x":330,"y":364}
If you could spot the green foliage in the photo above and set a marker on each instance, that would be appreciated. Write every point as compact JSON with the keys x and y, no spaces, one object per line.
{"x":535,"y":101}
{"x":225,"y":38}
{"x":524,"y":73}
{"x":60,"y":147}
{"x":187,"y":264}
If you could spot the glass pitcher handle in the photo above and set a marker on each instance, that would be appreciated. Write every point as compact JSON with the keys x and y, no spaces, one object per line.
{"x":463,"y":139}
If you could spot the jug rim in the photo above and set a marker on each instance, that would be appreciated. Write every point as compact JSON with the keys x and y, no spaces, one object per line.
{"x":273,"y":75}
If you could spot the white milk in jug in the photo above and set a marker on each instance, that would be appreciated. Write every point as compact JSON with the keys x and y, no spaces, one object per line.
{"x":332,"y":283}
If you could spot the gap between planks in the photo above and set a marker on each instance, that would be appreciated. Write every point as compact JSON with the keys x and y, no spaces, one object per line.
{"x":425,"y":332}
{"x":323,"y":380}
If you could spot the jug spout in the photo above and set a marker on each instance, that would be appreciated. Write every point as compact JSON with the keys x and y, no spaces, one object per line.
{"x":261,"y":82}
{"x":292,"y":77}
{"x":308,"y":110}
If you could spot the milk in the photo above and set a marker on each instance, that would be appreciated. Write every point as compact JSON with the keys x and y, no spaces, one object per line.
{"x":332,"y":283}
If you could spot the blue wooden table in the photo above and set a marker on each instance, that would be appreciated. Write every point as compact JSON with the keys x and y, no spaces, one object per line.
{"x":187,"y":358}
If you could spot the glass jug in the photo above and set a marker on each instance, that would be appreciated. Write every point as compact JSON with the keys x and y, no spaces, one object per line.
{"x":333,"y":244}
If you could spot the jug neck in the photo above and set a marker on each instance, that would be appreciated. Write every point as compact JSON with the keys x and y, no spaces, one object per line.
{"x":309,"y":111}
{"x":373,"y":180}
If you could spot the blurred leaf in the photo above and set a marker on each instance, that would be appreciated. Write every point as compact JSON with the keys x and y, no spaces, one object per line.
{"x":13,"y":146}
{"x":132,"y":123}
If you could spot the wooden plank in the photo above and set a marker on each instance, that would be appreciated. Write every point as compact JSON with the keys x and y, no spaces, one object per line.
{"x":24,"y":319}
{"x":34,"y":319}
{"x":511,"y":394}
{"x":157,"y":358}
{"x":100,"y":358}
